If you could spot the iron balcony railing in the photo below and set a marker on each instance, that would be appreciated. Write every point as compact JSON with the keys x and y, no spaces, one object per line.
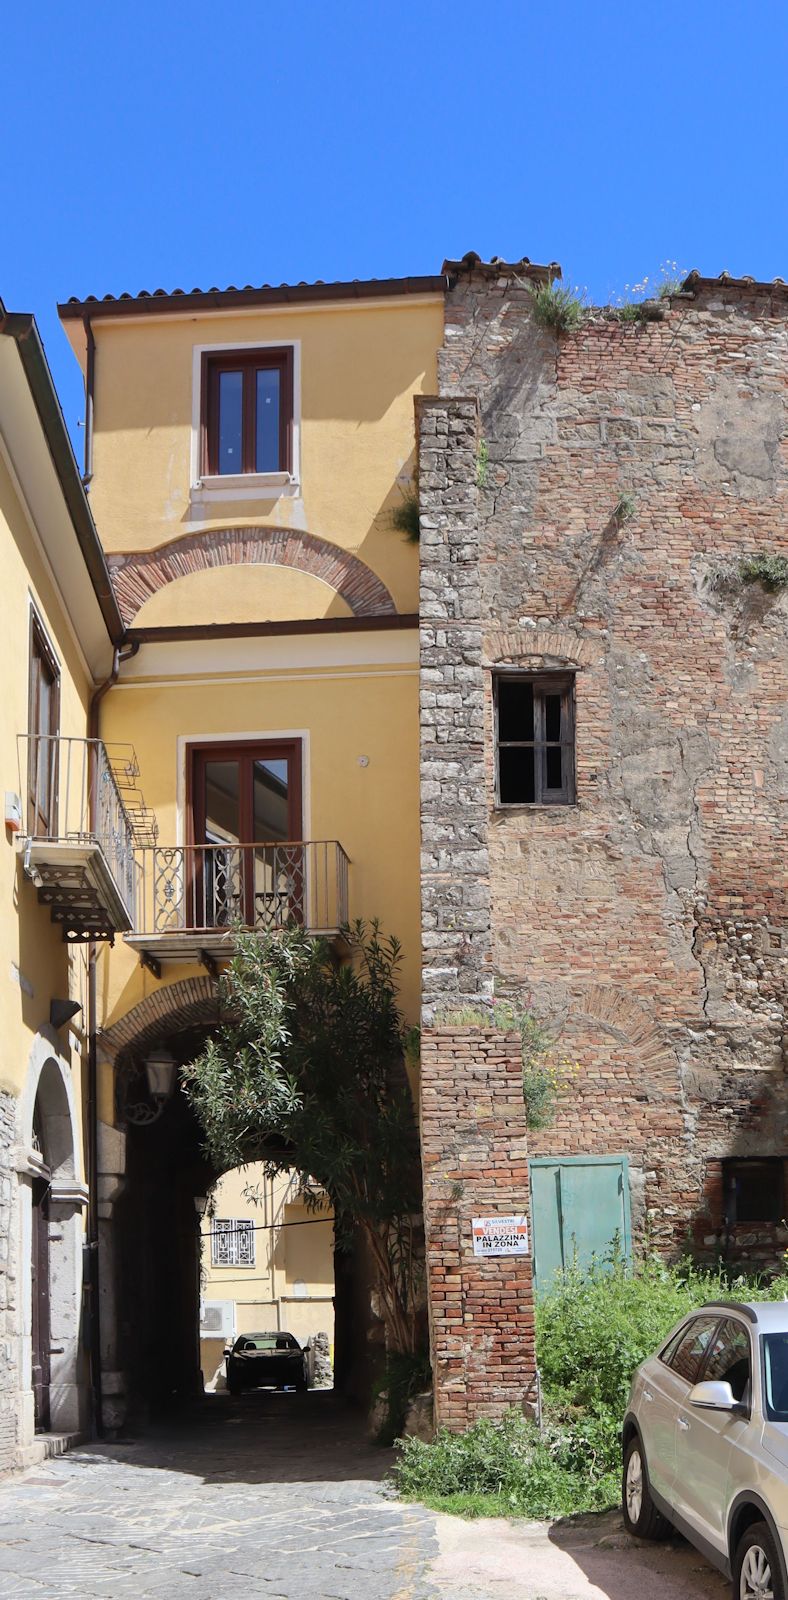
{"x":79,"y":792}
{"x":266,"y":887}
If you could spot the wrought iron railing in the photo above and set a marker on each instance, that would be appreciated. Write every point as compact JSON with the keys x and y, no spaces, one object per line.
{"x":74,"y":793}
{"x":266,"y":887}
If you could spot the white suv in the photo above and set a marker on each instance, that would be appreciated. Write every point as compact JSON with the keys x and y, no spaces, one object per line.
{"x":706,"y":1443}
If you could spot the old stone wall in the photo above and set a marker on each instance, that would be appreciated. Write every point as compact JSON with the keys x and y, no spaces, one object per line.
{"x":9,"y":1331}
{"x":645,"y":924}
{"x":473,"y":1138}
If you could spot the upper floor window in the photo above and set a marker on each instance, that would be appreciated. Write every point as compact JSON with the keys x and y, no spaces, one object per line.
{"x":534,"y":743}
{"x":247,"y":398}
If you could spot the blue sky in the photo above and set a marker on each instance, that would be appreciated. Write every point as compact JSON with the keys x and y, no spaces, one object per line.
{"x":199,"y":144}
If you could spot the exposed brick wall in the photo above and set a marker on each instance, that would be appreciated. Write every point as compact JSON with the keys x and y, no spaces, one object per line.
{"x":137,"y":575}
{"x":474,"y":1155}
{"x":168,"y":1009}
{"x":647,"y":924}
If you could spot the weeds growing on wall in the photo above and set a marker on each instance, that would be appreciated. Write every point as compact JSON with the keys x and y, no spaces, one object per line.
{"x":770,"y":571}
{"x":405,"y":515}
{"x":644,"y":301}
{"x":482,"y":464}
{"x":592,"y":1330}
{"x":544,"y":1074}
{"x":557,"y":306}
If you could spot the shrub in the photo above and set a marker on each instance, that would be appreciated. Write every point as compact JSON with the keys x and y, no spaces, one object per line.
{"x":592,"y":1331}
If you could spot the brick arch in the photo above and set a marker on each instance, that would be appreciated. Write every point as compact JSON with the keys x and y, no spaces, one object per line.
{"x":539,"y":647}
{"x":626,"y":1019}
{"x":136,"y":575}
{"x":170,"y":1009}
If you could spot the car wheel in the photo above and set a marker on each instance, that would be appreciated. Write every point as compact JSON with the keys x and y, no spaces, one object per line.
{"x":757,"y":1573}
{"x":641,"y":1517}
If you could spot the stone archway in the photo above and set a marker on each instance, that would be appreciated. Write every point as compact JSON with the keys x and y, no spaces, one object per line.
{"x":137,"y":575}
{"x":52,"y":1199}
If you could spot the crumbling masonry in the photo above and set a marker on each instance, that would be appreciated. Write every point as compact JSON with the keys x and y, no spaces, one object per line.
{"x":627,"y":468}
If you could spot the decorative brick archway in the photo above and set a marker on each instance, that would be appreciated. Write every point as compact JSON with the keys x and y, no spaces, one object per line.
{"x":137,"y":575}
{"x":170,"y":1009}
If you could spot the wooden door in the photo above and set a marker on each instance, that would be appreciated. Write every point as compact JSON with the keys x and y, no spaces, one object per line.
{"x":246,"y":819}
{"x":41,"y":1318}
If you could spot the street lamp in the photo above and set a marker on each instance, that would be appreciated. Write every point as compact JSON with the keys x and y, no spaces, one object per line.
{"x":160,"y":1070}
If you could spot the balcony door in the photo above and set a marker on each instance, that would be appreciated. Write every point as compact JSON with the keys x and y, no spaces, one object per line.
{"x":246,"y":828}
{"x":43,"y":723}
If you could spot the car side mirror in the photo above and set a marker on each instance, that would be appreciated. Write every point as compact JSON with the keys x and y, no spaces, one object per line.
{"x":715,"y":1395}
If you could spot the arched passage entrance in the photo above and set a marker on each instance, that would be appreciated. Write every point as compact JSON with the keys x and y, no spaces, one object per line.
{"x":150,"y":1265}
{"x":53,"y":1196}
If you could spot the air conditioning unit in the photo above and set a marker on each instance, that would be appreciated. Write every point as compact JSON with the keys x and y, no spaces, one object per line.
{"x":217,"y":1319}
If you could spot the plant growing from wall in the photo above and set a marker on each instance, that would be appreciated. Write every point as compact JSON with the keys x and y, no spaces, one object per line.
{"x":544,"y":1076}
{"x":482,"y":464}
{"x":625,"y":507}
{"x":640,"y":302}
{"x":307,"y":1073}
{"x":557,"y":306}
{"x":405,"y":515}
{"x":770,"y":571}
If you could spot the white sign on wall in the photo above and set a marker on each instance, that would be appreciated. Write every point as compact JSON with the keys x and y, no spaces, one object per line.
{"x":500,"y":1236}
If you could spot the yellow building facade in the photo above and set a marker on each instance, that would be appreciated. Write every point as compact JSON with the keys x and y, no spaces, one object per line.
{"x":60,"y":625}
{"x":246,"y":451}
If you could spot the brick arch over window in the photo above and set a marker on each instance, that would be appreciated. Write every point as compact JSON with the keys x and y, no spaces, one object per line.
{"x":136,"y":575}
{"x":647,"y":1054}
{"x":171,"y":1009}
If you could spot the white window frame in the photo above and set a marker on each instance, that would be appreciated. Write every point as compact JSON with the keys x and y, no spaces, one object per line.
{"x":226,"y":487}
{"x":230,"y":1230}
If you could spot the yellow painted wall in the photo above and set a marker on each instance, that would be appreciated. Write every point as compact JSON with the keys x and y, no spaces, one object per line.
{"x":30,"y":946}
{"x":241,"y":594}
{"x":347,"y":712}
{"x":361,"y":364}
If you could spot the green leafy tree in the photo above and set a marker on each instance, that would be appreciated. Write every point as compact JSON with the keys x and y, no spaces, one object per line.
{"x":307,"y":1073}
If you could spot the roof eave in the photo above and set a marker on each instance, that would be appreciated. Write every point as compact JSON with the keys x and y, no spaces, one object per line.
{"x":21,"y":327}
{"x":207,"y":300}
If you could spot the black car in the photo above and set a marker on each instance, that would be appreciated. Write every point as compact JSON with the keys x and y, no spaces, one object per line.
{"x":265,"y":1361}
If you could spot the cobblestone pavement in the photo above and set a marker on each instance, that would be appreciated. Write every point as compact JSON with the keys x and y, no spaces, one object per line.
{"x":275,"y":1496}
{"x":281,"y":1497}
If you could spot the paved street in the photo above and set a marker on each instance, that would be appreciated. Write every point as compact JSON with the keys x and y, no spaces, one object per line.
{"x":281,"y":1497}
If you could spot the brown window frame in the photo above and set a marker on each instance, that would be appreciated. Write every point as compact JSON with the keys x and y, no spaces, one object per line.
{"x":543,"y":683}
{"x":249,"y":362}
{"x":41,"y":653}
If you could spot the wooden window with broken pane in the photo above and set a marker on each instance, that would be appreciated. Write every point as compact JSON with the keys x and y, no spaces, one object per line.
{"x":534,"y":739}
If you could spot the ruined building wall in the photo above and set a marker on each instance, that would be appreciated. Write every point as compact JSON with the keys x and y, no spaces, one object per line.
{"x":645,"y":924}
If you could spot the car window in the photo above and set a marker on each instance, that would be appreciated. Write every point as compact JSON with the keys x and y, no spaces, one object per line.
{"x":687,"y":1355}
{"x":775,"y":1376}
{"x":729,"y":1359}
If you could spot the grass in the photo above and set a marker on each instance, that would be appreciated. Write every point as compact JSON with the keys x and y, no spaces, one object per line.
{"x":556,"y":306}
{"x":592,"y":1331}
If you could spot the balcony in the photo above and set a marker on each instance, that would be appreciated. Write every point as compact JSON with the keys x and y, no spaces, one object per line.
{"x":191,"y":898}
{"x":84,"y":817}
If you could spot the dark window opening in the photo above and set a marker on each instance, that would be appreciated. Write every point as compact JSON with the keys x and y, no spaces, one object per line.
{"x":247,"y":399}
{"x":754,"y":1190}
{"x":535,"y":741}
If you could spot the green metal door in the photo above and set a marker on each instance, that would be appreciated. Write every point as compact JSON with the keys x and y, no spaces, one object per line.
{"x":579,"y":1206}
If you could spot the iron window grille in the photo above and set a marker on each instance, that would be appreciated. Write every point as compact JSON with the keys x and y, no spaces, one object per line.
{"x":232,"y":1243}
{"x":534,"y":739}
{"x":754,"y":1189}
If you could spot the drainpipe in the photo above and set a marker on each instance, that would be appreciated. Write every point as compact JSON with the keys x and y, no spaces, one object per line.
{"x":93,"y":1218}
